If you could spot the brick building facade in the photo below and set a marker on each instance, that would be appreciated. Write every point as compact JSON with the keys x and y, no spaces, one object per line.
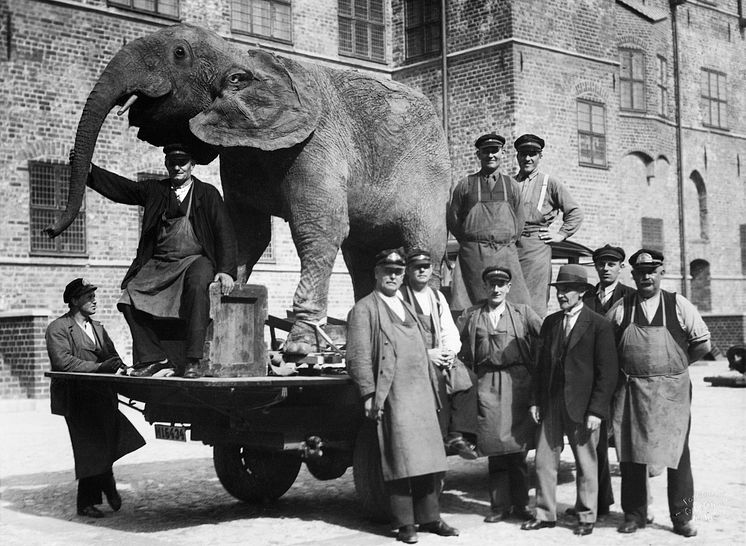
{"x":596,"y":78}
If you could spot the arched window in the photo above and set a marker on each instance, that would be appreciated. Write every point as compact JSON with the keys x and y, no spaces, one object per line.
{"x":701,"y":292}
{"x":699,"y":184}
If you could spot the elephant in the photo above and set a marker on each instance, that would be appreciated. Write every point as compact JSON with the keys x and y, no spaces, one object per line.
{"x":350,"y":161}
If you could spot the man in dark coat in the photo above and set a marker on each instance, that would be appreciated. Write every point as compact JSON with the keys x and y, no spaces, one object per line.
{"x":99,"y":433}
{"x":575,"y":379}
{"x":186,"y":242}
{"x":497,"y":340}
{"x":388,"y":361}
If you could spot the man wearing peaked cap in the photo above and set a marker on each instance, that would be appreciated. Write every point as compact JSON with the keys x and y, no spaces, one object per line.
{"x":543,"y":197}
{"x":574,"y":381}
{"x":387,"y":359}
{"x":650,"y":323}
{"x":485,"y":216}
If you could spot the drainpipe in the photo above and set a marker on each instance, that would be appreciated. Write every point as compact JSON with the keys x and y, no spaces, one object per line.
{"x":679,"y":160}
{"x":444,"y":66}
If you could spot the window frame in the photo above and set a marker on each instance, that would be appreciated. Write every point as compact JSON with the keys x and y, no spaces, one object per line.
{"x":129,"y":5}
{"x":59,"y":169}
{"x":710,"y":100}
{"x":662,"y":84}
{"x":273,"y":5}
{"x":632,"y":80}
{"x":354,"y":21}
{"x":592,"y":134}
{"x":648,"y":243}
{"x":423,"y":26}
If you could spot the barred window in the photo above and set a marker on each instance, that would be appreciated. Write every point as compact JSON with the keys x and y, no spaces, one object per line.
{"x":268,"y":18}
{"x":362,"y":29}
{"x":714,"y":97}
{"x":662,"y":86}
{"x":49,"y":184}
{"x":632,"y":80}
{"x":591,"y":133}
{"x":422,"y":27}
{"x":166,"y":8}
{"x":652,"y":233}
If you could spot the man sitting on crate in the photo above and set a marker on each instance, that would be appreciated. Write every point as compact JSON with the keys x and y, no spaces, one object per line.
{"x":186,"y":242}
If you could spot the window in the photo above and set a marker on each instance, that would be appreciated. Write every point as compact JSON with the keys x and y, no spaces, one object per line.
{"x":422,"y":28}
{"x":361,"y":29}
{"x":591,"y":133}
{"x":49,"y":183}
{"x":269,"y":18}
{"x":652,"y":233}
{"x":166,"y":8}
{"x":715,"y":103}
{"x":662,"y":86}
{"x":632,"y":80}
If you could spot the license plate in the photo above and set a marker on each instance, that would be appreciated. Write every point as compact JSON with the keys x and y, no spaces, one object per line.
{"x":166,"y":432}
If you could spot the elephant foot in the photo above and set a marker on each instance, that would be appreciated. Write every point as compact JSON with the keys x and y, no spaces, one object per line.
{"x":305,"y":337}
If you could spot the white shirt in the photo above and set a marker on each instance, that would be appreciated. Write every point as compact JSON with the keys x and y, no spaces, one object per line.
{"x":495,"y":314}
{"x":571,"y":317}
{"x":449,"y":336}
{"x":605,"y":293}
{"x":88,"y":330}
{"x":395,"y":304}
{"x":181,"y":191}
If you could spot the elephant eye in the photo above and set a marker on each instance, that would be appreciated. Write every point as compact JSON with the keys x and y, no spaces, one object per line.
{"x":238,"y":77}
{"x":179,"y":52}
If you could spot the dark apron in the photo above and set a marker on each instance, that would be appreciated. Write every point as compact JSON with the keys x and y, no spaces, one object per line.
{"x":535,"y":255}
{"x":489,"y":239}
{"x":504,"y":423}
{"x":157,"y":287}
{"x":653,"y":407}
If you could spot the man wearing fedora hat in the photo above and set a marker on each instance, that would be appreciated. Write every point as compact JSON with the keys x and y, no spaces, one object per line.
{"x":543,"y":197}
{"x":659,"y":334}
{"x":99,"y":433}
{"x":486,"y":218}
{"x":388,"y":361}
{"x":186,"y":242}
{"x":575,"y":379}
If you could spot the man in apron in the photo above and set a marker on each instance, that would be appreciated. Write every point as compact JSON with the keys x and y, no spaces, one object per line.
{"x":186,"y":242}
{"x":575,"y":379}
{"x":543,"y":197}
{"x":486,"y":217}
{"x":458,"y":415}
{"x":498,"y":339}
{"x":387,"y":359}
{"x":659,"y":334}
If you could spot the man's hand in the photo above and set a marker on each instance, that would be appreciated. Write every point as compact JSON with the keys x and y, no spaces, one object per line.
{"x":592,"y":422}
{"x":371,"y":413}
{"x":535,"y":413}
{"x":547,"y":237}
{"x":110,"y":365}
{"x":226,"y":283}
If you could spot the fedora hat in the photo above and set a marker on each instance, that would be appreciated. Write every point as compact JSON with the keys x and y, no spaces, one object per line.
{"x":572,"y":274}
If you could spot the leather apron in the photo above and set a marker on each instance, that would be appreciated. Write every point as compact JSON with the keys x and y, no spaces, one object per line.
{"x":535,"y":255}
{"x":489,"y":236}
{"x":652,"y":408}
{"x":158,"y":286}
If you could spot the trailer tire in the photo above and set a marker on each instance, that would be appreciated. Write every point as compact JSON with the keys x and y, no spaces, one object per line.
{"x":255,"y":476}
{"x":332,"y":465}
{"x":368,"y":476}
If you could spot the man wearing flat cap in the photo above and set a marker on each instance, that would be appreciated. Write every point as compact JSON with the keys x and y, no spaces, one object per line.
{"x":388,"y":361}
{"x":576,"y":375}
{"x":498,"y":340}
{"x":486,"y":218}
{"x":186,"y":242}
{"x":659,"y":335}
{"x":99,"y":433}
{"x":543,"y":198}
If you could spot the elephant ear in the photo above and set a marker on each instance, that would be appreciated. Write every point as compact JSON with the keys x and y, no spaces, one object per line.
{"x":268,"y":103}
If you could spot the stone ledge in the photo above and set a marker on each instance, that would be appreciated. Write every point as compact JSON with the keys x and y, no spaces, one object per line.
{"x":22,"y":313}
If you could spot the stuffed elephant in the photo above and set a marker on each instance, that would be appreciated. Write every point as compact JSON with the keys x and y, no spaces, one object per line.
{"x":349,"y":160}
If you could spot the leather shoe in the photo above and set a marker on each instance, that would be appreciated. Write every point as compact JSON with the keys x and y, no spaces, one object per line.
{"x":440,"y":528}
{"x":522,"y":513}
{"x":629,"y":527}
{"x":91,"y":512}
{"x":685,"y":529}
{"x":192,"y":370}
{"x":114,"y":499}
{"x":535,"y":524}
{"x":496,"y":517}
{"x":583,"y":529}
{"x":150,"y":369}
{"x":465,"y":449}
{"x":572,"y":511}
{"x":407,"y":534}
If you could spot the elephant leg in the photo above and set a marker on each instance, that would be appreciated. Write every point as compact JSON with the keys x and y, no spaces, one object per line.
{"x":428,"y":232}
{"x":360,"y":262}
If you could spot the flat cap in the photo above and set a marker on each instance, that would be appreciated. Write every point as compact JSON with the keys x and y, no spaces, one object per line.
{"x":390,"y":256}
{"x":177,"y":149}
{"x":646,"y":258}
{"x":609,"y":252}
{"x":76,"y":288}
{"x":495,"y":273}
{"x":419,"y":257}
{"x":572,"y":274}
{"x":490,"y":139}
{"x":529,"y":142}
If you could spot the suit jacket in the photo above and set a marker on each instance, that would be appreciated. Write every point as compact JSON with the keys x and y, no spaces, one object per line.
{"x":590,"y":365}
{"x":209,"y":217}
{"x":591,"y":299}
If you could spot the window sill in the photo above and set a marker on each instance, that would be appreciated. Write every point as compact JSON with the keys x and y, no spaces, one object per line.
{"x":360,"y":57}
{"x":261,"y":36}
{"x":594,"y":166}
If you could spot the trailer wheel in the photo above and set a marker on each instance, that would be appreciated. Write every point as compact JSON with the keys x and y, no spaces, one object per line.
{"x":255,"y":476}
{"x":366,"y":471}
{"x":333,"y":464}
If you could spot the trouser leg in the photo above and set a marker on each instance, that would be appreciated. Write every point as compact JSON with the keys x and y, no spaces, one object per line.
{"x":89,"y":491}
{"x":583,"y":444}
{"x":146,"y":344}
{"x":425,"y":493}
{"x":499,"y":482}
{"x":605,"y":493}
{"x":400,"y":502}
{"x":635,"y":492}
{"x":195,"y":305}
{"x":518,"y":472}
{"x":548,"y":448}
{"x":681,"y":488}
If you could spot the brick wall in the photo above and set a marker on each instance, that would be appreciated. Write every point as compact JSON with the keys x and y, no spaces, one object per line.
{"x":726,"y":330}
{"x":23,"y":354}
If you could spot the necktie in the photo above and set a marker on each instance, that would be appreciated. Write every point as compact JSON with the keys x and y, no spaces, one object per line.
{"x":568,"y":328}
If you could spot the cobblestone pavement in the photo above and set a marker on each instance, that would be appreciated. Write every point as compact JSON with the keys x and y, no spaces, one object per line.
{"x":172,"y":496}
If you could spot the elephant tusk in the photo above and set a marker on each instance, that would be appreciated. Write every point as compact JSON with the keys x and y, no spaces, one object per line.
{"x":130,"y":102}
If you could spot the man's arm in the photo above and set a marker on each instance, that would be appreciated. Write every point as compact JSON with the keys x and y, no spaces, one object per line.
{"x":605,"y":369}
{"x":359,"y":351}
{"x":225,"y":241}
{"x":449,"y":336}
{"x":572,"y":214}
{"x":453,"y":213}
{"x":61,"y":355}
{"x":698,"y":335}
{"x":116,"y":188}
{"x":518,"y":209}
